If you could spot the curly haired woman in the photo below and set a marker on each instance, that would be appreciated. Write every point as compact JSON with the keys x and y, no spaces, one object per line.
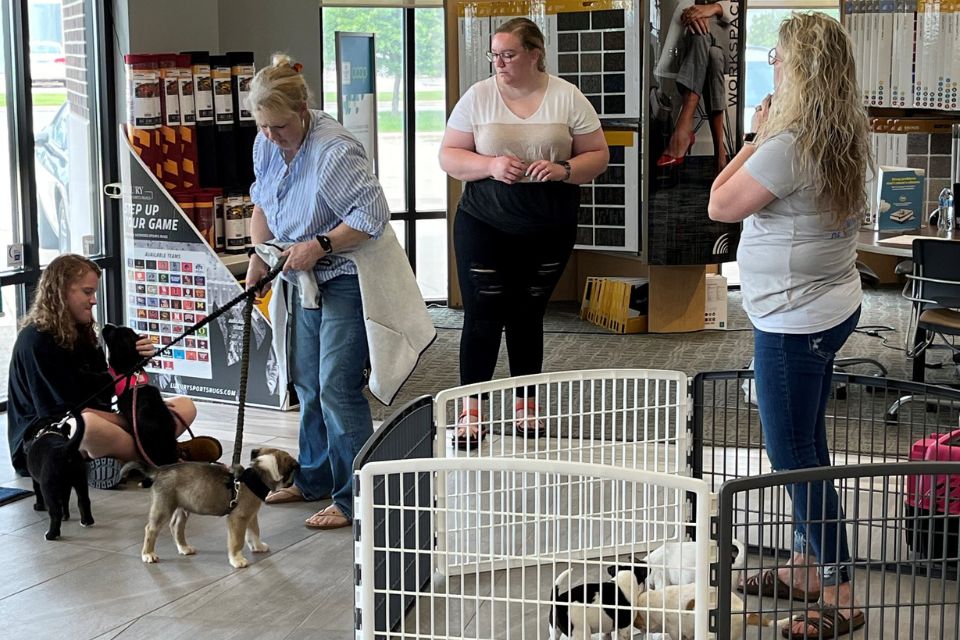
{"x":57,"y":363}
{"x":800,"y":194}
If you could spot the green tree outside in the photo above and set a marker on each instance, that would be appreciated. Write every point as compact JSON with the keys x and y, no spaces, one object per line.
{"x":387,"y":27}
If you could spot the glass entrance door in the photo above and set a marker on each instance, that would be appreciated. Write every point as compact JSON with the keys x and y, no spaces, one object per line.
{"x":54,"y":100}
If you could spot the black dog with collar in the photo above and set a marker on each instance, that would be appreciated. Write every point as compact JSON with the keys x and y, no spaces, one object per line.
{"x":153,"y":425}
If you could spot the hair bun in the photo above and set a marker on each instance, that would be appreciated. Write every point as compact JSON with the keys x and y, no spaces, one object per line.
{"x":283,"y":60}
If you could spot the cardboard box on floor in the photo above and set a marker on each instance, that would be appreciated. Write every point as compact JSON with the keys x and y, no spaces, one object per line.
{"x":617,"y":304}
{"x":677,"y":297}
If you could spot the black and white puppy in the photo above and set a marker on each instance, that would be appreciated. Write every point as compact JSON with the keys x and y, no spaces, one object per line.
{"x":56,"y":466}
{"x":154,"y":425}
{"x":597,"y":607}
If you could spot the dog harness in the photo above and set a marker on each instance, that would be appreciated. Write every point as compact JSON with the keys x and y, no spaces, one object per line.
{"x":54,"y":428}
{"x":250,"y":478}
{"x":129,"y":382}
{"x":134,"y":382}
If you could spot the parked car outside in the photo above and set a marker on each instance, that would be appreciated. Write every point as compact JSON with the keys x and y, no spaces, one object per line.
{"x":50,"y":154}
{"x":48,"y":64}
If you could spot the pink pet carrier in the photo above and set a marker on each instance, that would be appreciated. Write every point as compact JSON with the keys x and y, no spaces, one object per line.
{"x":933,"y":501}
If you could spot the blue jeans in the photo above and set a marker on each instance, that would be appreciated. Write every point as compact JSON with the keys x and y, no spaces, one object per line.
{"x":330,"y":353}
{"x":793,"y":376}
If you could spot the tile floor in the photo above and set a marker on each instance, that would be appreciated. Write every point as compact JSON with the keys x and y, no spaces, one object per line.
{"x":92,"y":584}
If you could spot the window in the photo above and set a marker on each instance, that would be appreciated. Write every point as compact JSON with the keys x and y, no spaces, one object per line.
{"x":763,"y":21}
{"x":410,"y":121}
{"x":50,"y":176}
{"x":67,"y":151}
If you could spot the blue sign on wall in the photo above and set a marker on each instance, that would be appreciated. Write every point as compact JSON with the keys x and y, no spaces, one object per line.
{"x":357,"y":89}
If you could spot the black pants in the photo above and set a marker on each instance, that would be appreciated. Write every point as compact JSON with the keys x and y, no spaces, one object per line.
{"x":506,"y":281}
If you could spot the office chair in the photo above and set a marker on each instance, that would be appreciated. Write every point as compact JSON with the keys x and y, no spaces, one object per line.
{"x":934,"y":289}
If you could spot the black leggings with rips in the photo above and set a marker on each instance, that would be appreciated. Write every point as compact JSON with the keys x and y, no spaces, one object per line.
{"x":506,"y":281}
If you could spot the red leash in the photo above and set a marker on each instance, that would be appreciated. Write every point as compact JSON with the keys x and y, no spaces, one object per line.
{"x":136,"y":434}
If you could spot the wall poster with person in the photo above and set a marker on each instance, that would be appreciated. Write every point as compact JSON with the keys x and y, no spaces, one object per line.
{"x":693,"y":126}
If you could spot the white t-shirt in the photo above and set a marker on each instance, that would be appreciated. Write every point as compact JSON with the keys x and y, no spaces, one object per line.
{"x":798,"y":273}
{"x":545,"y":135}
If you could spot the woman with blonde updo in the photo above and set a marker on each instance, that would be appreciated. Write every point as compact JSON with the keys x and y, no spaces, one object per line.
{"x":315,"y":194}
{"x":799,"y":190}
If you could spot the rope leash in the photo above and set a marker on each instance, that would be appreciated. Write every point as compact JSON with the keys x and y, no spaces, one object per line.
{"x":244,"y":369}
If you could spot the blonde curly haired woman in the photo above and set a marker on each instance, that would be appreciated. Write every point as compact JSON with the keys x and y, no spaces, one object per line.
{"x":799,"y":191}
{"x":57,"y":363}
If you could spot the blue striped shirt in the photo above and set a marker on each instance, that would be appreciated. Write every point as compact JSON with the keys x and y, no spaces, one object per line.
{"x":328,"y":182}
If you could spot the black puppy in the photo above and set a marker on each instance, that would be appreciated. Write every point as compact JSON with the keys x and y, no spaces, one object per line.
{"x":597,"y":607}
{"x":150,"y":419}
{"x":56,"y":466}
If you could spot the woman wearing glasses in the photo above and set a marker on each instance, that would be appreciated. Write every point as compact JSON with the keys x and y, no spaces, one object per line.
{"x":799,"y":190}
{"x":522,"y":140}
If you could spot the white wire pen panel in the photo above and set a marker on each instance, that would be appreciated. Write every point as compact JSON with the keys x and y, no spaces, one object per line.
{"x":633,"y":418}
{"x":534,"y":544}
{"x":628,"y":418}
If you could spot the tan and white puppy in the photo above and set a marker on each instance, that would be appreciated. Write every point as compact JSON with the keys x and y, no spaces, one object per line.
{"x":671,"y":611}
{"x":214,"y":490}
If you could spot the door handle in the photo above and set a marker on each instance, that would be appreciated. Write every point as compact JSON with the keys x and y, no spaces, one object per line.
{"x":113,"y":190}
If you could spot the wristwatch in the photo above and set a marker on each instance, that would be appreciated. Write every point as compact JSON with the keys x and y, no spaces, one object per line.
{"x":566,"y":167}
{"x":325,"y":244}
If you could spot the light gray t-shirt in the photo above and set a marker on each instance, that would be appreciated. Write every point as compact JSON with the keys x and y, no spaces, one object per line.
{"x":798,"y":272}
{"x":547,"y":134}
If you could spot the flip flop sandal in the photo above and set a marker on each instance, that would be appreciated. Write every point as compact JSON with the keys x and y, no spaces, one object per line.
{"x":827,"y":615}
{"x":473,"y":434}
{"x":334,"y":519}
{"x":524,"y":414}
{"x":768,"y":584}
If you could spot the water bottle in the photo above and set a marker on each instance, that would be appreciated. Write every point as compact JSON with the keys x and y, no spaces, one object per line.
{"x":945,"y":219}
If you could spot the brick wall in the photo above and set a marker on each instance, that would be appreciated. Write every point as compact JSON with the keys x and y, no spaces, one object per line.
{"x":75,"y":48}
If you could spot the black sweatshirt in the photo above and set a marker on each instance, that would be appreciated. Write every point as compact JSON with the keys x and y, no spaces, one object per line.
{"x":48,"y":380}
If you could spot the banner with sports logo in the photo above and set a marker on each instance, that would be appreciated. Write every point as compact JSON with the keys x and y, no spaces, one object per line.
{"x":173,"y":279}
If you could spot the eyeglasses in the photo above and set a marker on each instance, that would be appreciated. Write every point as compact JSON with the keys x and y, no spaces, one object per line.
{"x":506,"y":56}
{"x":772,"y":56}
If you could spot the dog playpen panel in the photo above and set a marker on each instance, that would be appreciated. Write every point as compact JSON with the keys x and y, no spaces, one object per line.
{"x":868,"y":419}
{"x":407,"y":434}
{"x":513,"y":542}
{"x":902,"y":591}
{"x":467,"y":543}
{"x":632,"y":419}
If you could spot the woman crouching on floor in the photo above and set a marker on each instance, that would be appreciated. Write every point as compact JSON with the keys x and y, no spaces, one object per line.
{"x":57,"y":363}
